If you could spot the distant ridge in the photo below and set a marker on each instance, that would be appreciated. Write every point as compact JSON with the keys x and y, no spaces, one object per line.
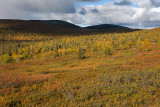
{"x":58,"y":27}
{"x":106,"y":26}
{"x":59,"y":23}
{"x":39,"y":26}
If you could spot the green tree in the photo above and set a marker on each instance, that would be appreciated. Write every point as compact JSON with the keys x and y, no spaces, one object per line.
{"x":107,"y":51}
{"x":80,"y":54}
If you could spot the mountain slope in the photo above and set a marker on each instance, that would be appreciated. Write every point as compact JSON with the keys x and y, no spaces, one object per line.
{"x":39,"y":26}
{"x":58,"y":27}
{"x":59,"y":23}
{"x":106,"y":26}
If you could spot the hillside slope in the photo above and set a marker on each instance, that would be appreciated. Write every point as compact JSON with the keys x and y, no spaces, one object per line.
{"x":59,"y":23}
{"x":106,"y":26}
{"x":58,"y":27}
{"x":39,"y":26}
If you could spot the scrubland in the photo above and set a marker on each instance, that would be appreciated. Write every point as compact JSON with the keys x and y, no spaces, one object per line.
{"x":111,"y":69}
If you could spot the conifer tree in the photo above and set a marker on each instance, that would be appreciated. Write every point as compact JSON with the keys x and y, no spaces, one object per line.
{"x":107,"y":51}
{"x":80,"y":54}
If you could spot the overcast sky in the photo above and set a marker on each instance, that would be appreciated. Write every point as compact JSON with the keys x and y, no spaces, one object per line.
{"x":130,"y":13}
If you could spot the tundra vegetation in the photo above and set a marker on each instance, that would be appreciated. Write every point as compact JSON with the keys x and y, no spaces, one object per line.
{"x":110,"y":69}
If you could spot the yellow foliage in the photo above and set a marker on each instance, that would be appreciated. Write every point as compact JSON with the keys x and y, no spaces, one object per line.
{"x":14,"y":56}
{"x":2,"y":101}
{"x":146,"y":44}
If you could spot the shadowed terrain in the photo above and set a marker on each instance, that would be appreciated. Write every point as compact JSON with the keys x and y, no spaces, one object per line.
{"x":58,"y":27}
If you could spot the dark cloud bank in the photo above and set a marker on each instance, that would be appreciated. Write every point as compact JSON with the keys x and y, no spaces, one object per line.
{"x":123,"y":2}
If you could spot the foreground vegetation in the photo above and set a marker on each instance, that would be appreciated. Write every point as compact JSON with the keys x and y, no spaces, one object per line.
{"x":116,"y":69}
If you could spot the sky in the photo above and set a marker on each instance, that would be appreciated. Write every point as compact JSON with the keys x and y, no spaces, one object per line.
{"x":143,"y":14}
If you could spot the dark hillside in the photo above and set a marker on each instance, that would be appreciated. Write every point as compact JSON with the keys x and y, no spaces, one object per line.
{"x":106,"y":26}
{"x":58,"y":27}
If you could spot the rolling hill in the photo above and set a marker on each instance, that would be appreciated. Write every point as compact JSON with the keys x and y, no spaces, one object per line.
{"x":58,"y":27}
{"x":106,"y":26}
{"x":58,"y":23}
{"x":39,"y":26}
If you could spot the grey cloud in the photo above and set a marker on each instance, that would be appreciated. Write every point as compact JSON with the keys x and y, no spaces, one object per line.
{"x":29,"y":9}
{"x":155,"y":3}
{"x":123,"y":3}
{"x":89,"y":0}
{"x":38,"y":6}
{"x":109,"y":14}
{"x":83,"y":11}
{"x":49,"y":6}
{"x":94,"y":10}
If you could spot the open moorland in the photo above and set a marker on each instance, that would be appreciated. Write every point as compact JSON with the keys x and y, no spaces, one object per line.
{"x":88,"y":68}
